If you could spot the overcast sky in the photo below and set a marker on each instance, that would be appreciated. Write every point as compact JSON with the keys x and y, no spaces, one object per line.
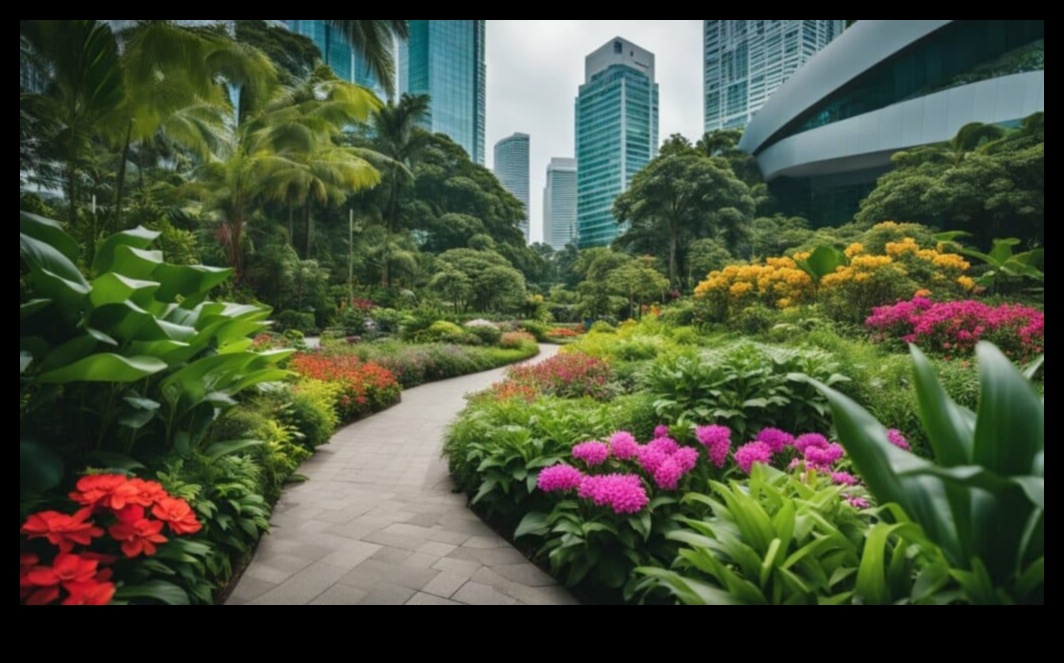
{"x":535,"y":68}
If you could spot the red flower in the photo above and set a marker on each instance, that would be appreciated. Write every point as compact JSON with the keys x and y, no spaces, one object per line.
{"x":89,"y":593}
{"x":109,"y":491}
{"x":178,"y":515}
{"x":26,"y":563}
{"x":66,"y":569}
{"x":61,"y":530}
{"x":138,"y":537}
{"x":148,"y":492}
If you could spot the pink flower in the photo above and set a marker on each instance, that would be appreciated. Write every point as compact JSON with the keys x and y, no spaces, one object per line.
{"x":858,"y":503}
{"x":624,"y":494}
{"x":811,"y":440}
{"x":686,"y":459}
{"x":717,"y":441}
{"x":623,"y":446}
{"x":661,"y":431}
{"x":777,"y":440}
{"x":751,"y":454}
{"x":824,"y":459}
{"x":592,"y":453}
{"x":668,"y":475}
{"x":560,"y":479}
{"x":898,"y":440}
{"x":843,"y":479}
{"x":665,"y":445}
{"x":651,"y":458}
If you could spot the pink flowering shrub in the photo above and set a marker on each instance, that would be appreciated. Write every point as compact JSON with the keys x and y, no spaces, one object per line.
{"x":955,"y":328}
{"x":571,"y":375}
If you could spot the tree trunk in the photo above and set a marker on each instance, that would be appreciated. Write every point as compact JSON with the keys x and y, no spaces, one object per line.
{"x":392,"y":202}
{"x":120,"y":186}
{"x":673,"y":242}
{"x":308,"y":232}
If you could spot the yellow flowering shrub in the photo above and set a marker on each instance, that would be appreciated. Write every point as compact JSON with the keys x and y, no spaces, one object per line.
{"x":778,"y":283}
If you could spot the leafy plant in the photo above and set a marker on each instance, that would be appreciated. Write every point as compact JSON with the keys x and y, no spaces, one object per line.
{"x":1003,"y":262}
{"x":982,"y":501}
{"x":822,"y":261}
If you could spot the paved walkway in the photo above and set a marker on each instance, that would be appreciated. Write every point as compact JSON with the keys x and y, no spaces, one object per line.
{"x":378,"y":524}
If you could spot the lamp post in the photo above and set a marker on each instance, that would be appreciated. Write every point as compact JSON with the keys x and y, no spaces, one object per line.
{"x":351,"y":228}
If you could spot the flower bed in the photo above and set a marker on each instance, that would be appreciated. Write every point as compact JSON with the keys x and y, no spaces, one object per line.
{"x":366,"y":387}
{"x":573,"y":375}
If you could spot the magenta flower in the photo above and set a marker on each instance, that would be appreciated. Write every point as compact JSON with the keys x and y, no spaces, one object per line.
{"x":858,"y":503}
{"x":623,"y":446}
{"x":665,"y":445}
{"x":777,"y":440}
{"x":824,"y":459}
{"x":843,"y":479}
{"x":668,"y":475}
{"x":624,"y":494}
{"x":592,"y":454}
{"x":898,"y":440}
{"x":717,"y":441}
{"x":751,"y":454}
{"x":661,"y":431}
{"x":651,"y":458}
{"x":686,"y":459}
{"x":811,"y":440}
{"x":560,"y":479}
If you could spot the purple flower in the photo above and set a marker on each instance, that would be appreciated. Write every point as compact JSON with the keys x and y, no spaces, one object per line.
{"x":624,"y":494}
{"x":749,"y":455}
{"x":592,"y":453}
{"x":717,"y":441}
{"x":898,"y":440}
{"x":651,"y":458}
{"x":661,"y":431}
{"x":858,"y":503}
{"x":843,"y":479}
{"x":665,"y":446}
{"x":777,"y":440}
{"x":686,"y":459}
{"x":811,"y":440}
{"x":623,"y":445}
{"x":824,"y":459}
{"x":668,"y":475}
{"x":560,"y":479}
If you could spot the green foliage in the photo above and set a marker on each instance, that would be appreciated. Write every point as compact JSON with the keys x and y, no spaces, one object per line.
{"x":295,"y":321}
{"x":490,"y":336}
{"x":982,"y":500}
{"x":446,"y":332}
{"x":1005,"y":265}
{"x":537,"y":329}
{"x":746,"y":386}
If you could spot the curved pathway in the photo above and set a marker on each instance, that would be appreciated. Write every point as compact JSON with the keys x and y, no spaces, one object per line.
{"x":377,"y":523}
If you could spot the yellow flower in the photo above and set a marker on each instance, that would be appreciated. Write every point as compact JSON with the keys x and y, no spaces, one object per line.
{"x":740,"y":289}
{"x":922,"y":293}
{"x":966,"y":282}
{"x":854,"y":250}
{"x":784,"y":303}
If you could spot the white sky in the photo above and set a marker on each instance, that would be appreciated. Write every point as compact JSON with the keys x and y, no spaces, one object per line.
{"x":535,"y":68}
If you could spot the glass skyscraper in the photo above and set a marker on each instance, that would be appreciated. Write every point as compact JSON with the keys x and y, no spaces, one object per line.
{"x":616,"y":134}
{"x":746,"y":61}
{"x":338,"y":54}
{"x":513,"y":170}
{"x":446,"y":60}
{"x":559,"y":204}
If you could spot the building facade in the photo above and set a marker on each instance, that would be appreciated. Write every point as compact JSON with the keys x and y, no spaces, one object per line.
{"x":338,"y":54}
{"x":826,"y":136}
{"x":447,"y":61}
{"x":559,"y":205}
{"x":616,"y":134}
{"x":512,"y":167}
{"x":746,"y":61}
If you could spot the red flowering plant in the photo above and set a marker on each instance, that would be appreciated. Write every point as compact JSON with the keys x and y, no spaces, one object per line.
{"x":366,"y":387}
{"x":573,"y":375}
{"x":82,"y":558}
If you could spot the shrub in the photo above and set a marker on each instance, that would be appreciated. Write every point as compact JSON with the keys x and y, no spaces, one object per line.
{"x":537,"y":329}
{"x":573,"y":375}
{"x":516,"y":340}
{"x":442,"y":331}
{"x":754,"y":320}
{"x":365,"y":387}
{"x":603,"y":327}
{"x":488,"y":335}
{"x":294,"y":321}
{"x":312,"y":411}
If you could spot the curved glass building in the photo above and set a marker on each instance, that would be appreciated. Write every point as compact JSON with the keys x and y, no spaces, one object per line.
{"x":826,"y":136}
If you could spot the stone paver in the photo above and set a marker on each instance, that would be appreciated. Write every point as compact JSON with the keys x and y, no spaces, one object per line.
{"x":378,"y":523}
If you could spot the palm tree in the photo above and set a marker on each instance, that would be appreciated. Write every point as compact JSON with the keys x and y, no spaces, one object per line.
{"x":395,"y":136}
{"x":374,"y":42}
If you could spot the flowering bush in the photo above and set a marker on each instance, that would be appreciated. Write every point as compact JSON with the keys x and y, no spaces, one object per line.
{"x":366,"y":387}
{"x":562,"y":333}
{"x":573,"y":375}
{"x":956,"y":328}
{"x":516,"y":340}
{"x":80,"y":559}
{"x":778,"y":283}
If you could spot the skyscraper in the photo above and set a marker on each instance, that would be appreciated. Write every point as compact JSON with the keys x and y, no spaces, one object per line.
{"x":616,"y":133}
{"x":446,"y":60}
{"x":512,"y":169}
{"x":559,"y":204}
{"x":746,"y":61}
{"x":337,"y":53}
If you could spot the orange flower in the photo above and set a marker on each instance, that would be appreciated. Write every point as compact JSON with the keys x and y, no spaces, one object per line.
{"x":109,"y":491}
{"x":89,"y":593}
{"x":137,"y":534}
{"x":61,"y":530}
{"x":148,"y":492}
{"x":178,"y":515}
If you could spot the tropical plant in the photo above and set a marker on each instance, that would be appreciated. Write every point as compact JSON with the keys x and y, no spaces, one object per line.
{"x":1003,"y":262}
{"x":374,"y":41}
{"x":982,"y":500}
{"x":395,"y":135}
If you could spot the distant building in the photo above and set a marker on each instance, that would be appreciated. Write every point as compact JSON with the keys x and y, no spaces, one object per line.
{"x":616,"y":133}
{"x":513,"y":170}
{"x":746,"y":61}
{"x":447,"y":61}
{"x":559,"y":204}
{"x":338,"y":54}
{"x":825,"y":137}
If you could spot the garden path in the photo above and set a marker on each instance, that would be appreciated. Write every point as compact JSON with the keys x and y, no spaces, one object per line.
{"x":377,"y":522}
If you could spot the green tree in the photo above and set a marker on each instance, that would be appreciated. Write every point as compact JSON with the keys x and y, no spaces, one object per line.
{"x":395,"y":135}
{"x":374,"y":42}
{"x":639,"y":282}
{"x":294,"y":55}
{"x":482,"y":280}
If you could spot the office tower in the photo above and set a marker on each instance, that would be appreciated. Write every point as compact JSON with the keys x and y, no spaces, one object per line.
{"x":616,"y":134}
{"x":338,"y":54}
{"x":512,"y":169}
{"x":746,"y":61}
{"x":559,"y":204}
{"x":446,"y":60}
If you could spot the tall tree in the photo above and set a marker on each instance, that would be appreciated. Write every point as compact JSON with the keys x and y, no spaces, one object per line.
{"x":374,"y":41}
{"x":396,"y":136}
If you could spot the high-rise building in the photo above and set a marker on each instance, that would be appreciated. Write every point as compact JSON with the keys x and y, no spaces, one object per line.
{"x":746,"y":61}
{"x":338,"y":54}
{"x":446,"y":60}
{"x":513,"y":170}
{"x":559,"y":204}
{"x":616,"y":133}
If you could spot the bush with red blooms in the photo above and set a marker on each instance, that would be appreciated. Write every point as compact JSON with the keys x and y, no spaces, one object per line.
{"x":562,"y":333}
{"x":367,"y":387}
{"x":73,"y":559}
{"x":572,"y":375}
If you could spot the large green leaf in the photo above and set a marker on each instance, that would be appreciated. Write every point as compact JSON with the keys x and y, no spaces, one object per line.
{"x":50,"y":232}
{"x":129,"y":322}
{"x":186,"y":281}
{"x":872,"y":574}
{"x":155,"y":590}
{"x":138,"y":238}
{"x":1002,"y":251}
{"x":105,"y":368}
{"x":533,"y":524}
{"x":39,"y":468}
{"x":687,"y":590}
{"x":31,"y":308}
{"x":823,"y":261}
{"x":220,"y":450}
{"x":114,"y":288}
{"x":1011,"y":425}
{"x":136,"y":263}
{"x":68,"y":353}
{"x":949,"y":430}
{"x":54,"y":276}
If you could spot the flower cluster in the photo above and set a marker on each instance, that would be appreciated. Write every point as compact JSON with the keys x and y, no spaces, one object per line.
{"x":562,"y":333}
{"x":777,"y":283}
{"x":955,"y":328}
{"x":569,"y":375}
{"x":717,"y":441}
{"x":367,"y":387}
{"x":135,"y":513}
